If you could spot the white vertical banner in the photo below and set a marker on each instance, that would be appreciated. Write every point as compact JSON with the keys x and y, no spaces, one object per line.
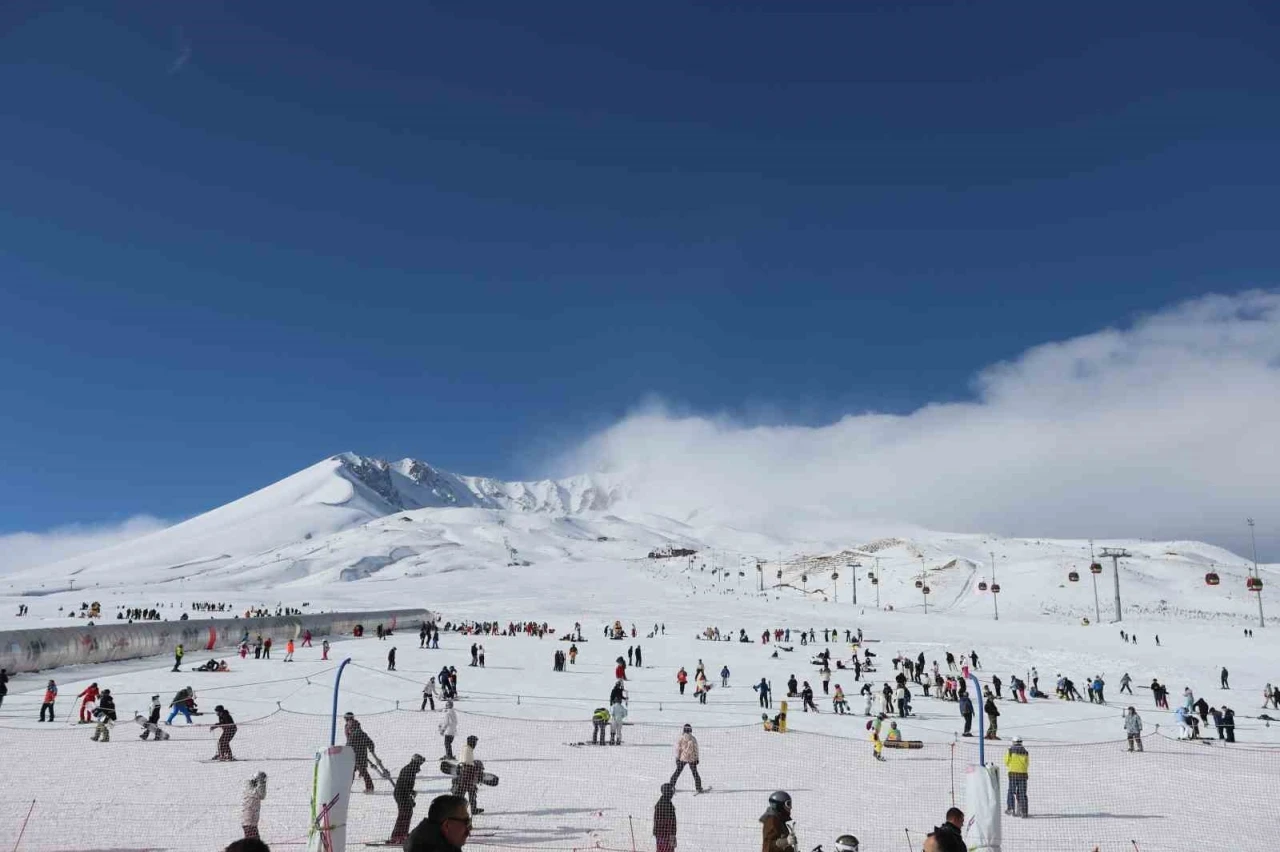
{"x":330,"y":795}
{"x":982,"y":808}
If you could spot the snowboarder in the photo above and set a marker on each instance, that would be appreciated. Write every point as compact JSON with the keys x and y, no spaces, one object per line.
{"x":639,"y":658}
{"x":227,"y":726}
{"x":973,"y":659}
{"x":724,"y":676}
{"x":306,"y":639}
{"x":1133,"y":728}
{"x":429,"y":694}
{"x":151,"y":722}
{"x":177,"y":656}
{"x":405,"y":797}
{"x":966,"y":712}
{"x":682,"y":678}
{"x":470,"y":773}
{"x":806,"y":696}
{"x":288,"y":651}
{"x":266,"y":648}
{"x":481,"y":655}
{"x":877,"y":745}
{"x":255,"y":790}
{"x":1229,"y":723}
{"x":793,"y":687}
{"x":664,"y":820}
{"x":475,"y":654}
{"x":449,"y":728}
{"x":324,"y":650}
{"x":391,"y":659}
{"x":687,"y":755}
{"x":106,"y":716}
{"x":778,"y":833}
{"x":838,"y":702}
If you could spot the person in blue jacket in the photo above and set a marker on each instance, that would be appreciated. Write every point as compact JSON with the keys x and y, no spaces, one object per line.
{"x":763,"y":688}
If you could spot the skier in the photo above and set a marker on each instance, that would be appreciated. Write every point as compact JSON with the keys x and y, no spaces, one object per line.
{"x":266,"y":648}
{"x":361,"y":745}
{"x":993,"y":718}
{"x":228,"y":727}
{"x":429,"y":694}
{"x":687,"y":755}
{"x":639,"y":658}
{"x":724,"y":676}
{"x":1223,"y":677}
{"x":838,"y":702}
{"x":599,"y":721}
{"x":951,"y":661}
{"x":973,"y":658}
{"x":255,"y":790}
{"x":1124,"y":684}
{"x":664,"y":820}
{"x":405,"y":797}
{"x":1229,"y":723}
{"x":826,"y":679}
{"x":177,"y":656}
{"x":89,"y":696}
{"x":1016,"y":762}
{"x":324,"y":650}
{"x":422,"y":635}
{"x":778,"y":833}
{"x":306,"y":639}
{"x":966,"y":712}
{"x":391,"y":659}
{"x":448,"y":728}
{"x":682,"y":677}
{"x":469,"y":774}
{"x":617,"y":712}
{"x":50,"y":696}
{"x":106,"y":716}
{"x":288,"y":651}
{"x":996,"y":684}
{"x":1133,"y":728}
{"x":763,"y":689}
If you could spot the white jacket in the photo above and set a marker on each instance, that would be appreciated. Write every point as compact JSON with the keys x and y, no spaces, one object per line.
{"x":255,"y":791}
{"x":430,"y":687}
{"x":449,"y":727}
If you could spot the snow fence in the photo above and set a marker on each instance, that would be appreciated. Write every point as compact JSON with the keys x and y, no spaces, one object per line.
{"x":48,"y":648}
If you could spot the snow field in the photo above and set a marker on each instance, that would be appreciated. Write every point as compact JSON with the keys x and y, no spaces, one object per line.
{"x":1085,"y":790}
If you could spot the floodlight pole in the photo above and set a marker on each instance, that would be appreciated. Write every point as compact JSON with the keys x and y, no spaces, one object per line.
{"x":1097,"y":612}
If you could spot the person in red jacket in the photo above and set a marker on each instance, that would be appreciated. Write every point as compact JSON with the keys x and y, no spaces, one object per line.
{"x":620,"y":672}
{"x":90,"y":696}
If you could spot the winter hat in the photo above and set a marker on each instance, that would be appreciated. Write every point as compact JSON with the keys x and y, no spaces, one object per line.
{"x":668,"y":788}
{"x":472,"y":740}
{"x":688,"y":729}
{"x":348,"y":715}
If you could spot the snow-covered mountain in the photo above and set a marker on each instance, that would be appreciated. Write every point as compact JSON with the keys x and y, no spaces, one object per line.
{"x":353,"y":529}
{"x":338,"y":493}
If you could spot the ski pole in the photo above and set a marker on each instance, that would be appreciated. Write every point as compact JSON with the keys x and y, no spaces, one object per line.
{"x":908,"y":831}
{"x":1135,"y":846}
{"x":632,"y":823}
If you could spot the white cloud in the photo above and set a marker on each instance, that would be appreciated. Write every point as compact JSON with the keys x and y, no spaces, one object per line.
{"x":29,"y":549}
{"x":1165,"y":428}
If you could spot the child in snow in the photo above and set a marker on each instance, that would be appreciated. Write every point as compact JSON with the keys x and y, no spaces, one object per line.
{"x":255,"y":790}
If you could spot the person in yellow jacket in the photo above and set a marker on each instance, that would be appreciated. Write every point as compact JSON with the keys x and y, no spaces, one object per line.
{"x":1017,"y":762}
{"x":876,"y":744}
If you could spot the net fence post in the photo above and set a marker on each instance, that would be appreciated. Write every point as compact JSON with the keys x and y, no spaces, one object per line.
{"x":333,"y":722}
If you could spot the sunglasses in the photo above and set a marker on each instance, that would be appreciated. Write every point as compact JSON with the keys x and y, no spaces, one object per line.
{"x":466,"y":822}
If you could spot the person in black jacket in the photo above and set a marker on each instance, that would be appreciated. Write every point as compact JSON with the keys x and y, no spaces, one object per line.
{"x":1229,"y":723}
{"x":947,"y":837}
{"x":445,"y":829}
{"x":4,"y":685}
{"x":664,"y":820}
{"x":360,"y":744}
{"x":228,"y":728}
{"x":405,"y":797}
{"x":993,"y":718}
{"x":106,"y":716}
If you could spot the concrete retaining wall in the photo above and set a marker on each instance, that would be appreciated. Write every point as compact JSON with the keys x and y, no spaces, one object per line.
{"x":47,"y":648}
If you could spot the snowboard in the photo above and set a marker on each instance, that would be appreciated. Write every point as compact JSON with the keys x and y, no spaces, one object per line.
{"x":907,"y":744}
{"x":450,"y":768}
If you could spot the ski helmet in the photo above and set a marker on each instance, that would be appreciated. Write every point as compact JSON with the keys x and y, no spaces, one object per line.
{"x":688,"y":729}
{"x":781,"y":799}
{"x":846,"y":843}
{"x":472,"y":740}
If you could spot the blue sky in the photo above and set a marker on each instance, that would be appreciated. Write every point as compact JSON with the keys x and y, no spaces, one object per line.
{"x":236,"y":240}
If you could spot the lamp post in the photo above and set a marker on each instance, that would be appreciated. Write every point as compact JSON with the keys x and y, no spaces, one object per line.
{"x":853,"y":570}
{"x":1262,"y":622}
{"x":1093,"y":560}
{"x":877,"y":582}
